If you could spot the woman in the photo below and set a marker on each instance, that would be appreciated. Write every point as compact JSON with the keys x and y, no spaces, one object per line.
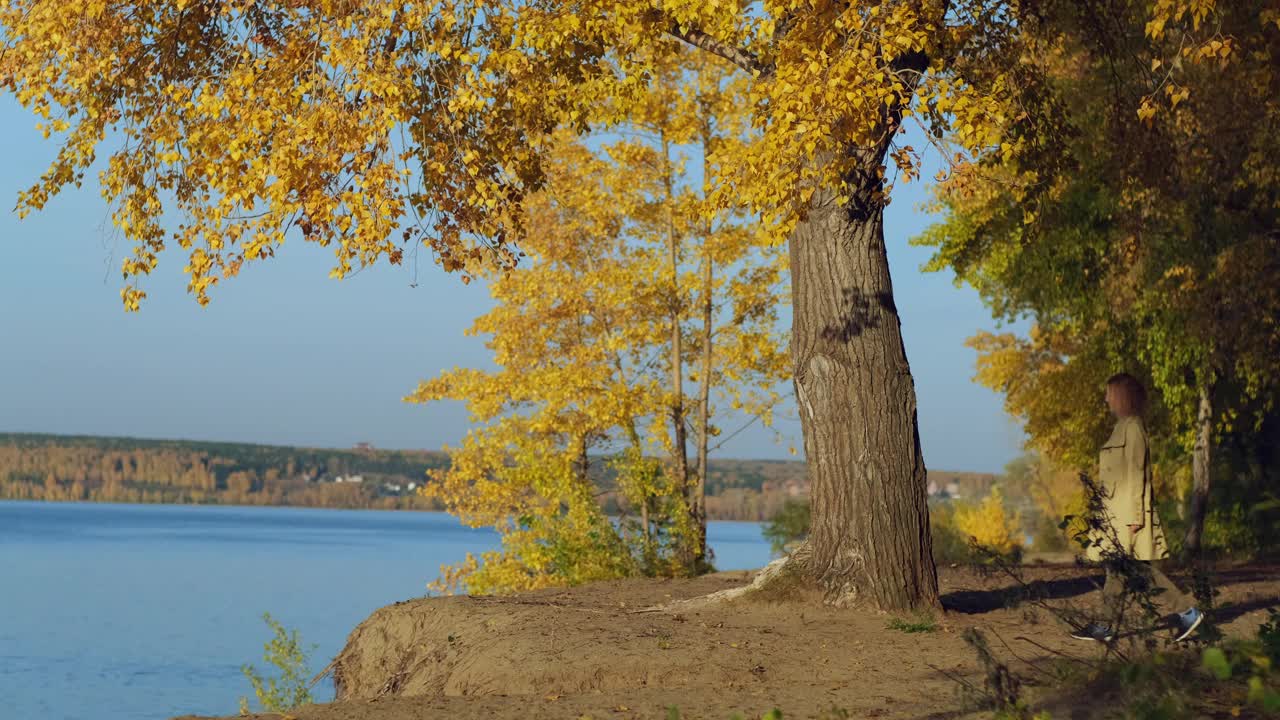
{"x":1124,"y":474}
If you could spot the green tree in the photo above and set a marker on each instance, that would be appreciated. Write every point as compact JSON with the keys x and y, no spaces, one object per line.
{"x":1149,"y":243}
{"x":635,"y":287}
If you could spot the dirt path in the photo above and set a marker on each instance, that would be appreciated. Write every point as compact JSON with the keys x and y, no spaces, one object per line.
{"x":586,"y":652}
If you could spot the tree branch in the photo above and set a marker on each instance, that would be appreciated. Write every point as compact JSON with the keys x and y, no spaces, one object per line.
{"x":699,"y":39}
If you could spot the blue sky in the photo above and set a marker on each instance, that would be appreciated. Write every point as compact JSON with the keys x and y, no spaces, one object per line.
{"x":284,"y":355}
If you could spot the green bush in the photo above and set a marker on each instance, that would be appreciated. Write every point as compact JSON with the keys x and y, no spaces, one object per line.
{"x":1229,"y":531}
{"x":291,"y":689}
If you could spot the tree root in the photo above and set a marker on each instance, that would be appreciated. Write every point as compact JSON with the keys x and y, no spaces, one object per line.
{"x":786,"y":578}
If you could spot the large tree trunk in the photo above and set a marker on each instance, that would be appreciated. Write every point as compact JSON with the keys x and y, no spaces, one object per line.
{"x":1201,"y":456}
{"x":870,"y":540}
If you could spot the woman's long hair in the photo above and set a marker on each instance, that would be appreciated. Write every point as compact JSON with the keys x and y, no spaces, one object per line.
{"x":1130,"y":395}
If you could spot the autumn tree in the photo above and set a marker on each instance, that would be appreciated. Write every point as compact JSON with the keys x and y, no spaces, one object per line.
{"x":988,"y":523}
{"x":368,"y":127}
{"x":1153,"y":248}
{"x":634,"y":288}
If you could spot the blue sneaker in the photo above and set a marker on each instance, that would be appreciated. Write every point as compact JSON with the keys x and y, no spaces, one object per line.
{"x":1094,"y":631}
{"x":1187,"y":623}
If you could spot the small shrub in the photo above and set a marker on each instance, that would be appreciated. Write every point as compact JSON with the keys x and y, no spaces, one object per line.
{"x":291,"y":689}
{"x":989,"y":523}
{"x":966,"y":533}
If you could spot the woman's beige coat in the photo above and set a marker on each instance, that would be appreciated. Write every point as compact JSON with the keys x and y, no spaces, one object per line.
{"x":1124,"y":473}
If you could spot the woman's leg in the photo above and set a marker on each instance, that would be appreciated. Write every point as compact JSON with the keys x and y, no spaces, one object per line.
{"x":1112,"y":596}
{"x":1173,"y":599}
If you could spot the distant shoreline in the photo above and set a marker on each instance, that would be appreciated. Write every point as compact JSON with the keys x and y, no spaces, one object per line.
{"x":273,"y":507}
{"x":128,"y":470}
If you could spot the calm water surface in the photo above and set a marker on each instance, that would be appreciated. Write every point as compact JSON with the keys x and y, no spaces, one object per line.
{"x":142,"y":612}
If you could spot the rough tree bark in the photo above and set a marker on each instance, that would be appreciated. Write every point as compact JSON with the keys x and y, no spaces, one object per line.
{"x":870,"y":540}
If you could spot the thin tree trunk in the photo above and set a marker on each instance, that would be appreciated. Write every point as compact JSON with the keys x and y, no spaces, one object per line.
{"x":697,"y":503}
{"x":870,"y":540}
{"x":697,"y":500}
{"x":582,"y":465}
{"x":692,"y":554}
{"x":1201,"y":456}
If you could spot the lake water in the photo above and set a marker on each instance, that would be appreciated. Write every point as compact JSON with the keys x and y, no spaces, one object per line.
{"x":142,"y":612}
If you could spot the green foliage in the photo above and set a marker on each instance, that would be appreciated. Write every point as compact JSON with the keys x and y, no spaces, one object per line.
{"x":1251,"y":663}
{"x":921,"y":624}
{"x":1158,"y":268}
{"x":1228,"y":531}
{"x":561,"y":536}
{"x":655,"y":536}
{"x":789,"y":525}
{"x":285,"y":652}
{"x":1215,"y":661}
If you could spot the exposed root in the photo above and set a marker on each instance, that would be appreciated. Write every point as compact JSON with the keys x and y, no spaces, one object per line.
{"x":782,"y":579}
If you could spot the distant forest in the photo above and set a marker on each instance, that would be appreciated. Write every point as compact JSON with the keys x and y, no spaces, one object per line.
{"x":110,"y":469}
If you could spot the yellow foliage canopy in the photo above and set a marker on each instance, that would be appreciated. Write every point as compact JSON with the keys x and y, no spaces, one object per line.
{"x":367,"y":127}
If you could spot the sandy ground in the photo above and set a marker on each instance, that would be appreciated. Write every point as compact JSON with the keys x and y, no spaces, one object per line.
{"x":586,"y":652}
